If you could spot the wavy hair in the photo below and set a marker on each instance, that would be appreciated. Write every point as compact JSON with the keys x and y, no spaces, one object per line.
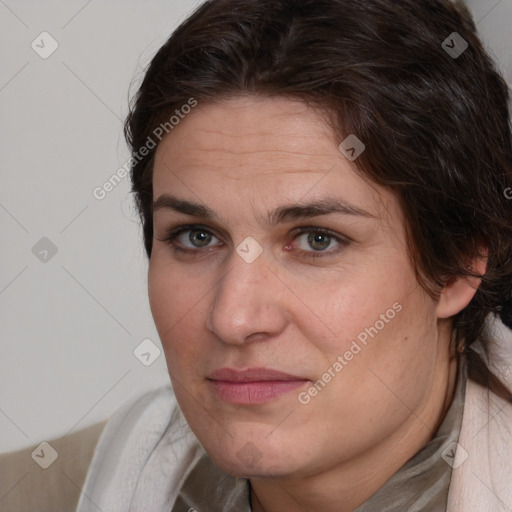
{"x":436,"y":125}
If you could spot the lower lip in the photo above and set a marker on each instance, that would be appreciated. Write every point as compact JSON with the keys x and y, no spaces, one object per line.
{"x":253,"y":392}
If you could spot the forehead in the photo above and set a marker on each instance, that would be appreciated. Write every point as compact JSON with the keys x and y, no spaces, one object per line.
{"x":241,"y":127}
{"x":251,"y":147}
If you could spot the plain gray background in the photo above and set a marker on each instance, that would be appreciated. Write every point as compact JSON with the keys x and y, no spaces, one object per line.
{"x":70,"y":321}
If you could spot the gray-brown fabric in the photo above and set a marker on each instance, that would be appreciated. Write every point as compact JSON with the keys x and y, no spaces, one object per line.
{"x":420,"y":485}
{"x":26,"y":487}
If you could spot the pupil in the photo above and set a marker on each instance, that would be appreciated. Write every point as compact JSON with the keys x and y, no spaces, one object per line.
{"x":319,"y":241}
{"x":199,"y":238}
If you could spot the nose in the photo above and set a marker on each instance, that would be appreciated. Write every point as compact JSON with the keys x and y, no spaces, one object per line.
{"x":247,"y":303}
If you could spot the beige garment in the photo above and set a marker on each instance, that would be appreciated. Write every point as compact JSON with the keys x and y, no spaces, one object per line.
{"x":482,"y":482}
{"x":482,"y":476}
{"x":26,"y":487}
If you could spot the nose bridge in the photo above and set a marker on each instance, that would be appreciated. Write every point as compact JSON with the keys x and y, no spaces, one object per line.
{"x":244,"y":302}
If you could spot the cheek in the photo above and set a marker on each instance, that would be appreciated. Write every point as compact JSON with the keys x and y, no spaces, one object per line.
{"x":175,"y":306}
{"x":388,"y":348}
{"x":378,"y":312}
{"x":342,"y":305}
{"x":377,"y":382}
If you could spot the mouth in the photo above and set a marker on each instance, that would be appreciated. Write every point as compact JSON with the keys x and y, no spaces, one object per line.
{"x":252,"y":386}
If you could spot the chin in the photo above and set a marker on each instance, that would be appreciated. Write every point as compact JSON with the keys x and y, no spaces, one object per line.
{"x":253,"y":456}
{"x":232,"y":465}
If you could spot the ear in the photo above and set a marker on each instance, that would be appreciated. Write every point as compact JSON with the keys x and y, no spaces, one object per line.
{"x":457,"y":293}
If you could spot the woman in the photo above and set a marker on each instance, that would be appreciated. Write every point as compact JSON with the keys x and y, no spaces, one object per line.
{"x":321,"y":186}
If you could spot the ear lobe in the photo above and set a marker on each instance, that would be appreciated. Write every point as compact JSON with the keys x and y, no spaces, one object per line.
{"x":459,"y":292}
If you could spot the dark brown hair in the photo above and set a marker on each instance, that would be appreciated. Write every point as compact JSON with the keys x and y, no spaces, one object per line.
{"x":436,"y":126}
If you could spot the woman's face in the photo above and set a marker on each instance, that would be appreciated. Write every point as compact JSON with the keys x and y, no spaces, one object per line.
{"x":287,"y":260}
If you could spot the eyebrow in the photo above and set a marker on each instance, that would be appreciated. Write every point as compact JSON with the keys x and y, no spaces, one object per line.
{"x":285,"y":213}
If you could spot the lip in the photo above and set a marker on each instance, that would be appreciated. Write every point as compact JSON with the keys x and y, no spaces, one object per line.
{"x":251,"y":375}
{"x":252,"y":386}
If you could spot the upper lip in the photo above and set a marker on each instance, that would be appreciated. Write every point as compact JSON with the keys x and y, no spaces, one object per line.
{"x":251,"y":375}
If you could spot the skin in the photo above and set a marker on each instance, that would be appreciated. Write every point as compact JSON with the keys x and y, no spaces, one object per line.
{"x":242,"y":158}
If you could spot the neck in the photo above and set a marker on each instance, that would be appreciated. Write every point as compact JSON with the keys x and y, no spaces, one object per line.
{"x":348,"y":485}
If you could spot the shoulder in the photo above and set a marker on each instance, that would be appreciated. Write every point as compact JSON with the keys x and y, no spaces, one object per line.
{"x":483,"y":461}
{"x":146,"y":438}
{"x":26,"y":486}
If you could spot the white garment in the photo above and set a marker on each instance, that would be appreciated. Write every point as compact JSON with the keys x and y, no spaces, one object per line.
{"x":147,"y":450}
{"x":483,"y":482}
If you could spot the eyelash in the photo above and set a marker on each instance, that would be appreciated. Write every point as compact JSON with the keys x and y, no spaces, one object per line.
{"x":176,"y":232}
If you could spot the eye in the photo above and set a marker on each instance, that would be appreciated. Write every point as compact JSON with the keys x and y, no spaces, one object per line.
{"x":196,"y":237}
{"x":312,"y":241}
{"x":190,"y":238}
{"x":318,"y":240}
